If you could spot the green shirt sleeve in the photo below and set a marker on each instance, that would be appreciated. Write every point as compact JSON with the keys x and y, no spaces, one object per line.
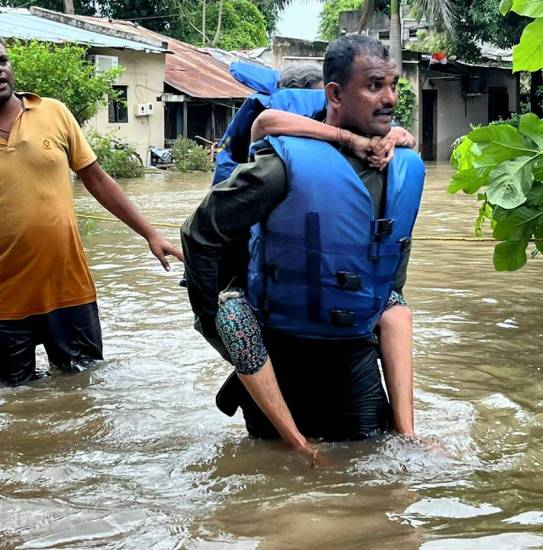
{"x":223,"y":219}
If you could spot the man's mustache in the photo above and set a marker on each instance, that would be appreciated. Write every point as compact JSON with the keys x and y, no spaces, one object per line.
{"x":386,"y":111}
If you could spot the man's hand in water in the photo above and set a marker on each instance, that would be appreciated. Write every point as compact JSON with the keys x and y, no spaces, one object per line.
{"x":312,"y":454}
{"x":161,"y":247}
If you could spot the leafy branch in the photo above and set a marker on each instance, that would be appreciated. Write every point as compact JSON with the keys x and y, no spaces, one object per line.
{"x":503,"y":163}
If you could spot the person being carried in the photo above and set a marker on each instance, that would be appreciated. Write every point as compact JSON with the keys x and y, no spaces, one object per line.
{"x":324,"y":260}
{"x":47,"y":295}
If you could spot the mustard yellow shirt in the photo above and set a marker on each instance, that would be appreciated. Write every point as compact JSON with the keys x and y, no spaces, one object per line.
{"x":42,"y":263}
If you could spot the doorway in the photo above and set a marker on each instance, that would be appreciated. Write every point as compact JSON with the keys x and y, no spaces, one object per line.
{"x":429,"y":125}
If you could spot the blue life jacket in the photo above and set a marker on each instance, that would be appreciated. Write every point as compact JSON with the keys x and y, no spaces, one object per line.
{"x":321,"y":265}
{"x":233,"y":148}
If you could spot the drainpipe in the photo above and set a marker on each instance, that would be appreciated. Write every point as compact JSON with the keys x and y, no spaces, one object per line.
{"x":69,"y":7}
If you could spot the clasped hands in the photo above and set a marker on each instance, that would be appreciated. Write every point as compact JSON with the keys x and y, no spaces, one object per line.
{"x":378,"y":150}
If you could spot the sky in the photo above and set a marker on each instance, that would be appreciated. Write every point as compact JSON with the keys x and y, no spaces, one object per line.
{"x":300,"y":19}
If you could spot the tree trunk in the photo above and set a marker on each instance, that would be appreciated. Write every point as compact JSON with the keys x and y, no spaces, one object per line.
{"x":69,"y":7}
{"x":219,"y":23}
{"x":204,"y":23}
{"x":396,"y":34}
{"x":536,"y":99}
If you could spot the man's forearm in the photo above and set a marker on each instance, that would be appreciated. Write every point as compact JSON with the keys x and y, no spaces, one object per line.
{"x":396,"y":336}
{"x":108,"y":193}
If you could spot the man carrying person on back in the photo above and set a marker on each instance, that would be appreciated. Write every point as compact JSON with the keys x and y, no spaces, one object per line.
{"x":47,"y":295}
{"x":328,"y":255}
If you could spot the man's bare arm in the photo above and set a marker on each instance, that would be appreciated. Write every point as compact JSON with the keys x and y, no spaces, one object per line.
{"x":108,"y":193}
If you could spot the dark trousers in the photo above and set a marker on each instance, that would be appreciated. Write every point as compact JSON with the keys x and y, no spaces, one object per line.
{"x":332,"y":387}
{"x":72,"y":338}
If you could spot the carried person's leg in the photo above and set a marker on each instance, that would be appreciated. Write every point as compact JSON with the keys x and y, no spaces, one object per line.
{"x":18,"y":343}
{"x":72,"y":337}
{"x":396,"y":337}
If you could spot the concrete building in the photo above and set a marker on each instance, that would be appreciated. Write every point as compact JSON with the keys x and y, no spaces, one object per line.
{"x":140,"y":118}
{"x":196,"y":93}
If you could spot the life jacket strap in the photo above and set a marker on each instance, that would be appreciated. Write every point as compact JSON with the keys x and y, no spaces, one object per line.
{"x":332,"y":317}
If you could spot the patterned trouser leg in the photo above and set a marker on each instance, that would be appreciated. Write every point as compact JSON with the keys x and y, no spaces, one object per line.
{"x":239,"y":329}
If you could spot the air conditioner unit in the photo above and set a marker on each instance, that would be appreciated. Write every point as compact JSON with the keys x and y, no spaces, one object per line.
{"x":141,"y":109}
{"x":150,"y":108}
{"x":103,"y":63}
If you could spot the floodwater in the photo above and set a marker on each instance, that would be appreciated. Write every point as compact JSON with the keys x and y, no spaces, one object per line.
{"x":133,"y":453}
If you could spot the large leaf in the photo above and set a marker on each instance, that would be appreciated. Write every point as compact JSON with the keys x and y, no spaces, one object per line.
{"x":510,"y":255}
{"x":469,"y":181}
{"x":528,"y":54}
{"x":517,"y":224}
{"x":510,"y":183}
{"x":529,"y":8}
{"x":498,"y":143}
{"x":538,"y":236}
{"x":538,"y":169}
{"x":464,"y":154}
{"x":505,"y":6}
{"x":531,"y":126}
{"x":535,"y":196}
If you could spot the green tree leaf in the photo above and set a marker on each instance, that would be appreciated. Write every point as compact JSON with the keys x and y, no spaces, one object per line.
{"x":510,"y":183}
{"x":498,"y":143}
{"x":538,"y":169}
{"x":485,"y":213}
{"x":535,"y":196}
{"x":528,"y":8}
{"x":510,"y":255}
{"x":64,"y":73}
{"x":528,"y":54}
{"x":517,"y":224}
{"x":464,"y":154}
{"x":538,"y":236}
{"x":505,"y":6}
{"x":469,"y":181}
{"x":531,"y":126}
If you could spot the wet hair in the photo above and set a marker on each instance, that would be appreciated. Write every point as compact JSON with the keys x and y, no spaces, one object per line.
{"x":341,"y":53}
{"x":301,"y":75}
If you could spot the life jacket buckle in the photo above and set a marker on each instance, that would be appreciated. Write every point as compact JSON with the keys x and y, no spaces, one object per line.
{"x":342,"y":318}
{"x":373,"y":252}
{"x":405,"y":242}
{"x":348,"y":281}
{"x":382,"y":226}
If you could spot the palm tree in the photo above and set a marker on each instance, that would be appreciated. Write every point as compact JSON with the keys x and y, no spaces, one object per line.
{"x":439,"y":13}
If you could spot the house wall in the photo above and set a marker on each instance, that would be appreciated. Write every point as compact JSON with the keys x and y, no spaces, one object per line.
{"x":144,"y":77}
{"x":290,"y":50}
{"x":455,"y":113}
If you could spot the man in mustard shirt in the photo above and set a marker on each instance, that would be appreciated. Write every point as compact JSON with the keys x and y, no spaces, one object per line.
{"x":47,"y":295}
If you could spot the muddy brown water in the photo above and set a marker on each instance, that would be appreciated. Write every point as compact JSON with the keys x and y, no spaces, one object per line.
{"x":133,"y":453}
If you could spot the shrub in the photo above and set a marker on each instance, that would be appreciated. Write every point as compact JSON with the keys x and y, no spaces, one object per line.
{"x":62,"y":71}
{"x":117,"y":158}
{"x":188,"y":155}
{"x":405,"y":107}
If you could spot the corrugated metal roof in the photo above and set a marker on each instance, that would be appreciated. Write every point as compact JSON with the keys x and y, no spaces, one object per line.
{"x":20,"y":23}
{"x":190,"y":70}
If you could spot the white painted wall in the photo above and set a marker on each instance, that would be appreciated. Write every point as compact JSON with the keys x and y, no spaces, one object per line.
{"x":144,"y":77}
{"x":455,"y":113}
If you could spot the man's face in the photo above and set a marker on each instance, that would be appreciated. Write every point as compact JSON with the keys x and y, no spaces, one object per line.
{"x":369,"y":98}
{"x":6,"y":76}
